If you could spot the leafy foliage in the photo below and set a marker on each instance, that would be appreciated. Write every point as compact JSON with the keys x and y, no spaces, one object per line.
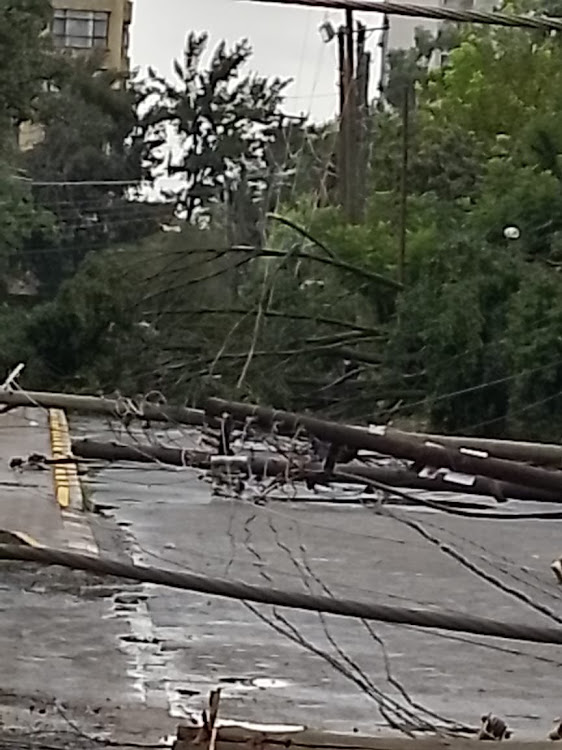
{"x":73,"y":339}
{"x":25,"y":62}
{"x":303,"y":312}
{"x":23,"y":58}
{"x":86,"y":166}
{"x":496,"y":79}
{"x":222,"y":121}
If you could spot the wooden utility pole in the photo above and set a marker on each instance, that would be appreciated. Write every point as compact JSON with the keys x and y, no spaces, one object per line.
{"x":119,"y":408}
{"x":347,"y":119}
{"x":240,"y":738}
{"x":362,"y":141}
{"x":271,"y":464}
{"x":350,"y":119}
{"x":404,"y":185}
{"x":383,"y":50}
{"x":408,"y":448}
{"x":342,"y":136}
{"x":353,"y":62}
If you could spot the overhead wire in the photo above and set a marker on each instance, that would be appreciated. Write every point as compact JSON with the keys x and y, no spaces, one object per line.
{"x":441,"y":13}
{"x":485,"y":515}
{"x":465,"y":562}
{"x":347,"y":667}
{"x":501,"y":563}
{"x":203,"y":554}
{"x":406,"y":406}
{"x":75,"y":183}
{"x":477,"y":644}
{"x":491,"y":579}
{"x":304,"y":568}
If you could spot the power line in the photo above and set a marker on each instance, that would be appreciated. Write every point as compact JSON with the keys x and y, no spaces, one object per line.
{"x":240,"y":591}
{"x":72,"y":183}
{"x":440,"y":14}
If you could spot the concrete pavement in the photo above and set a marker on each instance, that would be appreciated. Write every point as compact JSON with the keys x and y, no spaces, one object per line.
{"x":27,"y":500}
{"x":136,"y":658}
{"x":38,"y":504}
{"x":171,"y":520}
{"x":66,"y":670}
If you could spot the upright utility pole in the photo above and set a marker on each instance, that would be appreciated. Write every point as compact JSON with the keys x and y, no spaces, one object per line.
{"x":342,"y":135}
{"x":350,"y":118}
{"x":404,"y":184}
{"x":363,"y":129}
{"x":383,"y":51}
{"x":354,"y":63}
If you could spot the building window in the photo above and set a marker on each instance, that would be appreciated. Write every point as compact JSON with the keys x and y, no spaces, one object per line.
{"x":80,"y":29}
{"x":126,"y":38}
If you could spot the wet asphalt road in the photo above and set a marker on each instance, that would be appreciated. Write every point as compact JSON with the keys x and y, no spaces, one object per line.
{"x":184,"y":644}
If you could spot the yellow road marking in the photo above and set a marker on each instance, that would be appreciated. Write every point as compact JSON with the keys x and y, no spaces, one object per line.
{"x":65,"y":476}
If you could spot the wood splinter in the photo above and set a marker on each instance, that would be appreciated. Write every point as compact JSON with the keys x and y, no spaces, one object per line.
{"x":209,"y":728}
{"x":493,"y":728}
{"x":557,"y":569}
{"x":556,"y":733}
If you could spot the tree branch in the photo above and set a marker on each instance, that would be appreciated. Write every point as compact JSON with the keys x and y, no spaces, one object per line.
{"x":275,"y":314}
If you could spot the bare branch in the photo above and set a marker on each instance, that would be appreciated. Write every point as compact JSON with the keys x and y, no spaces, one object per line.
{"x":313,"y":318}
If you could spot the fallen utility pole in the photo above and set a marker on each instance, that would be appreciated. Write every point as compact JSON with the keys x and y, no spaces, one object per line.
{"x":540,"y":454}
{"x":125,"y":409}
{"x":112,"y":451}
{"x":264,"y":738}
{"x":121,"y":408}
{"x":311,"y":472}
{"x":422,"y":618}
{"x":265,"y":465}
{"x":465,"y":461}
{"x":475,"y":485}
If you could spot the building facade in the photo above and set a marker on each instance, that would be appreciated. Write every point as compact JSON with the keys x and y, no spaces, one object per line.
{"x":83,"y":26}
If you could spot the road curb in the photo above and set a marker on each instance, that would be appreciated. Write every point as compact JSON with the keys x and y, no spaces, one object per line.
{"x":7,"y":536}
{"x":68,"y":490}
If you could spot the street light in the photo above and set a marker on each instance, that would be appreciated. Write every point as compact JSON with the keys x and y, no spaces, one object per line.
{"x":511,"y":233}
{"x":327,"y":32}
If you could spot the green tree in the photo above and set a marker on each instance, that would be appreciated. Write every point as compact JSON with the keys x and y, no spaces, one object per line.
{"x":524,"y":197}
{"x":90,"y":336}
{"x":23,"y":58}
{"x":222,"y":122}
{"x":25,"y":63}
{"x":443,"y":159}
{"x":497,"y":80}
{"x":535,"y":353}
{"x":87,"y":167}
{"x":448,"y":337}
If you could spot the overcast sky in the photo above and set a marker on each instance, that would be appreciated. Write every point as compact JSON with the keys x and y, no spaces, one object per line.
{"x":285,"y":40}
